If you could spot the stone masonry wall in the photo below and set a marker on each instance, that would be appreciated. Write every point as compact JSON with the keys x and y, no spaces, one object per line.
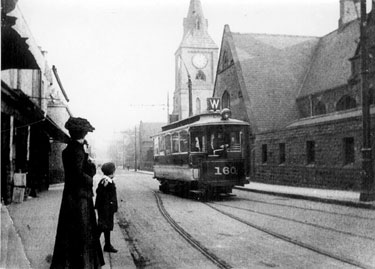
{"x":329,"y":169}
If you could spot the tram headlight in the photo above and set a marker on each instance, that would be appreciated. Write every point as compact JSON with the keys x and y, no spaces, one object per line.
{"x":226,"y":114}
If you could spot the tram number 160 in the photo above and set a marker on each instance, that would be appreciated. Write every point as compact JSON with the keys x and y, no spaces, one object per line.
{"x":225,"y":170}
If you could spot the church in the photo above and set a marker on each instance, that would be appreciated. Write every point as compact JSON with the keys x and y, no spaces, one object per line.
{"x":195,"y":65}
{"x":302,"y":98}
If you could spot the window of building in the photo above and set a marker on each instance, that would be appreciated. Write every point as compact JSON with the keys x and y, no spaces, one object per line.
{"x":225,"y":58}
{"x":348,"y":150}
{"x":225,"y":100}
{"x":200,"y":75}
{"x":198,"y":24}
{"x":320,"y":108}
{"x":282,"y":153}
{"x":264,"y":153}
{"x":197,"y":106}
{"x":310,"y":152}
{"x":346,"y":102}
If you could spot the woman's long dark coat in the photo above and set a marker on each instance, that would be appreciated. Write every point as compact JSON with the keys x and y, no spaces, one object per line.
{"x":77,"y":242}
{"x":106,"y":204}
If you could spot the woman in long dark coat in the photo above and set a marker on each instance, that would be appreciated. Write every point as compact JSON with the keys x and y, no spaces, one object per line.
{"x":77,"y":242}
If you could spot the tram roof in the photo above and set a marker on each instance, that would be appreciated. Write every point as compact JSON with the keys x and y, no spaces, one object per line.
{"x":203,"y":119}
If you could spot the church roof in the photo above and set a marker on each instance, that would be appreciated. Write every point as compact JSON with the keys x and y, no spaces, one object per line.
{"x":195,"y":8}
{"x":273,"y":67}
{"x":330,"y":66}
{"x":275,"y":70}
{"x":196,"y":28}
{"x":198,"y":39}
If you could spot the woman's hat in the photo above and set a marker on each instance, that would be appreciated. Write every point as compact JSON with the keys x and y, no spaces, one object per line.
{"x":79,"y":124}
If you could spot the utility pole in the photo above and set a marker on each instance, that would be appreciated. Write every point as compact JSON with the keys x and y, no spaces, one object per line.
{"x":190,"y":96}
{"x":168,"y":118}
{"x":135,"y":148}
{"x":367,"y":193}
{"x":124,"y":152}
{"x":190,"y":90}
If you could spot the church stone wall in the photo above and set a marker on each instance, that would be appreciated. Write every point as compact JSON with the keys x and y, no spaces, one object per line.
{"x":329,"y":169}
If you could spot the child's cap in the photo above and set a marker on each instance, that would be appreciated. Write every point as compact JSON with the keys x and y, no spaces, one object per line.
{"x":108,"y":168}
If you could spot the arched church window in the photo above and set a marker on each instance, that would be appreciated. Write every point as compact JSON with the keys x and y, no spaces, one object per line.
{"x":320,"y":108}
{"x":197,"y":106}
{"x":225,"y":58}
{"x":200,"y":75}
{"x":346,"y":102}
{"x":225,"y":100}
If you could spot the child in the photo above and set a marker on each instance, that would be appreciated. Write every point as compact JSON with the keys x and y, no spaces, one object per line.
{"x":106,"y":204}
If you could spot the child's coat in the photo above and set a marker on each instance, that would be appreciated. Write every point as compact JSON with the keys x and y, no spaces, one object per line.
{"x":106,"y":203}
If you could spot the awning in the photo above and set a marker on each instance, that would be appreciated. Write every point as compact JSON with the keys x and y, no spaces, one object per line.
{"x":16,"y":100}
{"x":15,"y":53}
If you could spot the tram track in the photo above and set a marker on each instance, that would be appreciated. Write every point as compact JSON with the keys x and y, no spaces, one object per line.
{"x":298,"y":221}
{"x":294,"y":241}
{"x":306,"y":208}
{"x":223,"y":264}
{"x":188,"y":237}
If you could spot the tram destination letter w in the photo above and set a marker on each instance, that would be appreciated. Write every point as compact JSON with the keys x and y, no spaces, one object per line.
{"x":213,"y":104}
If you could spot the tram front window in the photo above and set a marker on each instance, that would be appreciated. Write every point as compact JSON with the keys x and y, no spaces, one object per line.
{"x":217,"y":141}
{"x":223,"y":141}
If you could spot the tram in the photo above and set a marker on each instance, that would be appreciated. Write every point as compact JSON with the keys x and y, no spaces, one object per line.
{"x":204,"y":155}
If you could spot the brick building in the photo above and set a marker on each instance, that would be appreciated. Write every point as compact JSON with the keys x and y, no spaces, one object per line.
{"x":302,"y":97}
{"x":146,"y":144}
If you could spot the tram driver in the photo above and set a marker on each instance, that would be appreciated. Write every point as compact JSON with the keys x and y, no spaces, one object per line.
{"x":217,"y":145}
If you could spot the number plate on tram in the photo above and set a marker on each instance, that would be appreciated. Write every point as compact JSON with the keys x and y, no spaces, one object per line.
{"x":225,"y":170}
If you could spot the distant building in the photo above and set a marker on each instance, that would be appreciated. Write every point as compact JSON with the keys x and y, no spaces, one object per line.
{"x":32,"y":135}
{"x":145,"y":144}
{"x":302,"y":97}
{"x":195,"y":57}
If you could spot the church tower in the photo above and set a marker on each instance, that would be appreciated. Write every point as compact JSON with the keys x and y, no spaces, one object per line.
{"x":196,"y":57}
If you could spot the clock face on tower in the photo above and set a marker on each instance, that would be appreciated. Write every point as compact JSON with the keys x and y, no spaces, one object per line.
{"x":199,"y":61}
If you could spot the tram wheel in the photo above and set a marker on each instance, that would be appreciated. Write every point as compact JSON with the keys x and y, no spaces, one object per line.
{"x":164,"y":187}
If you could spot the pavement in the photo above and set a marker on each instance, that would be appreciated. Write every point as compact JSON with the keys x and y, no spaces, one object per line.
{"x":338,"y":197}
{"x":28,"y":229}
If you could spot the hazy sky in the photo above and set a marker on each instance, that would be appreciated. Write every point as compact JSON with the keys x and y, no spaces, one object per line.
{"x":116,"y":57}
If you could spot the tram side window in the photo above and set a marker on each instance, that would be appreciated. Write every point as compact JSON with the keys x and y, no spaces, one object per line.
{"x":168,"y":144}
{"x":184,"y":141}
{"x":197,"y":142}
{"x":204,"y":144}
{"x":156,"y":146}
{"x":235,"y":142}
{"x":175,"y":143}
{"x":162,"y":145}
